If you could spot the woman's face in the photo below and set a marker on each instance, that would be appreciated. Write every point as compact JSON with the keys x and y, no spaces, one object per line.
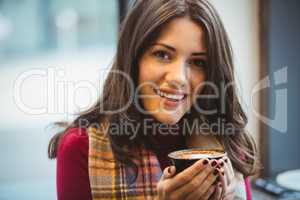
{"x":172,"y":69}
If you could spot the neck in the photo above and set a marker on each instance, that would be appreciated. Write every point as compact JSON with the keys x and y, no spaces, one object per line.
{"x":155,"y":127}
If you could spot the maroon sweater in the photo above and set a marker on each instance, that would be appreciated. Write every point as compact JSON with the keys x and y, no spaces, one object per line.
{"x":72,"y":162}
{"x":72,"y":179}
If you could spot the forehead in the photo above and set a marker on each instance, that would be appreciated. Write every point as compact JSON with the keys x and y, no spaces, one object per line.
{"x":183,"y":33}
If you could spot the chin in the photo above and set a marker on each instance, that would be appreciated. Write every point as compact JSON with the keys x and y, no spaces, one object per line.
{"x":169,"y":119}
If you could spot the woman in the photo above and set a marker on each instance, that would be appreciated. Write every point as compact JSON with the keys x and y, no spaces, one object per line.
{"x":173,"y":67}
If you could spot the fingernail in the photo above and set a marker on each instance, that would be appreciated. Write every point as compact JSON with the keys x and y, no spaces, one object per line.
{"x":205,"y":162}
{"x":215,"y":172}
{"x":169,"y":170}
{"x":222,"y":164}
{"x":214,"y":163}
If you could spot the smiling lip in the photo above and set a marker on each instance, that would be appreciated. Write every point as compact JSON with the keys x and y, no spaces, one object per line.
{"x":172,"y":91}
{"x":172,"y":103}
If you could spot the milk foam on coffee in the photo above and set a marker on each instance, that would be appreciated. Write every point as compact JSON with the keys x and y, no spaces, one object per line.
{"x":198,"y":154}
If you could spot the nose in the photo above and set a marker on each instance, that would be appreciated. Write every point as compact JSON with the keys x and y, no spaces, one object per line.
{"x":177,"y":75}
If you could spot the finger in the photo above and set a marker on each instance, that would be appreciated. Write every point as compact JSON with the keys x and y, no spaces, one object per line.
{"x":227,"y":170}
{"x":224,"y":184}
{"x":168,"y":172}
{"x":186,"y":175}
{"x":209,"y":193}
{"x":221,"y":163}
{"x":195,"y":183}
{"x":218,"y":192}
{"x":204,"y":187}
{"x":229,"y":166}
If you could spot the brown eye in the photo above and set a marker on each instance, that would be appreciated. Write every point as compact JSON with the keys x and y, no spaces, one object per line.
{"x":162,"y":55}
{"x":198,"y":63}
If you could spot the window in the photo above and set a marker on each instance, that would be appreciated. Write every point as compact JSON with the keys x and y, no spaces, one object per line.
{"x":37,"y":26}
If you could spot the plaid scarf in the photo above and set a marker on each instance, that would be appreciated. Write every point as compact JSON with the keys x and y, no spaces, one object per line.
{"x":110,"y":179}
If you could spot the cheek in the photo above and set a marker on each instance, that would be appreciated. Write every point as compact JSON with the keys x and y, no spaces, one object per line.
{"x":146,"y":80}
{"x":149,"y":72}
{"x":143,"y":67}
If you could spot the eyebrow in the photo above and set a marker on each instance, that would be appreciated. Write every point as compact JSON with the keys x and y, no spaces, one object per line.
{"x":173,"y":49}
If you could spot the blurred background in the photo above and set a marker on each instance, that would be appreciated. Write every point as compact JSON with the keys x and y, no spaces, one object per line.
{"x":54,"y":55}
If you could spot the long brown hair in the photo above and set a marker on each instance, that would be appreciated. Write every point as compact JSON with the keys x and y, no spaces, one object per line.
{"x":142,"y":26}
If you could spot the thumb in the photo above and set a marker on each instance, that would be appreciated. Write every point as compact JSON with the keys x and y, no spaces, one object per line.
{"x":169,"y":172}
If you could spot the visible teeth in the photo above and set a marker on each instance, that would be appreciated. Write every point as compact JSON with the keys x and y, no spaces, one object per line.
{"x":170,"y":96}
